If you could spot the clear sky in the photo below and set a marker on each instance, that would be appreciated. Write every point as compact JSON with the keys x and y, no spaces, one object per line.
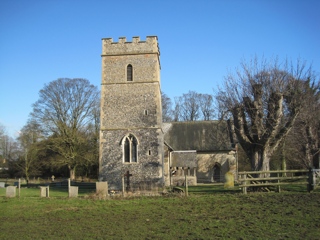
{"x":200,"y":41}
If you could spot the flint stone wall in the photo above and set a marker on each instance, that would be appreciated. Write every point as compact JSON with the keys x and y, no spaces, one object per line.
{"x":126,"y":106}
{"x":125,"y":47}
{"x":131,"y":107}
{"x":149,"y":168}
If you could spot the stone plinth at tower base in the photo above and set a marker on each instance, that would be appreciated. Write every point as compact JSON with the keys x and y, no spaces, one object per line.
{"x":73,"y":192}
{"x":11,"y":191}
{"x":102,"y":189}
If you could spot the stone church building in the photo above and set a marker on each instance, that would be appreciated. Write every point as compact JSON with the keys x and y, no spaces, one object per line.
{"x":133,"y":139}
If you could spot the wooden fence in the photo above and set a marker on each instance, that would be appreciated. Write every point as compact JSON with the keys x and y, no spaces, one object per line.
{"x":263,"y":179}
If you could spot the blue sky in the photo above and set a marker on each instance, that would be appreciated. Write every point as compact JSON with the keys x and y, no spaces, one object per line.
{"x":200,"y":41}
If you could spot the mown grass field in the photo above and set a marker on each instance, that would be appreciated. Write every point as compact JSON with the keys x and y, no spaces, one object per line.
{"x":210,"y":212}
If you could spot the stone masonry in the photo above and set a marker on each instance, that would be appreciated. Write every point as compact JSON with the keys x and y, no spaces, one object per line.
{"x":131,"y":108}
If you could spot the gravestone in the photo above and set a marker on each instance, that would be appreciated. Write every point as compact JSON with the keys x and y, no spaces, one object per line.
{"x":11,"y":191}
{"x":229,"y":177}
{"x":44,"y":191}
{"x":2,"y":184}
{"x":73,"y":191}
{"x":102,"y":188}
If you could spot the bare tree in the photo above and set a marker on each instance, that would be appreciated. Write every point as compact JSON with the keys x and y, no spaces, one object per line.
{"x":306,"y":131}
{"x":187,"y":106}
{"x":3,"y":142}
{"x":64,"y":111}
{"x":206,"y":106}
{"x":264,"y":100}
{"x":9,"y":149}
{"x":5,"y":148}
{"x":29,"y":163}
{"x":167,"y":113}
{"x":193,"y":106}
{"x":177,"y":110}
{"x":92,"y":144}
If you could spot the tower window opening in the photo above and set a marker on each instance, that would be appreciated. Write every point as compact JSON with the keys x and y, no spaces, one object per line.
{"x":130,"y":149}
{"x":129,"y":73}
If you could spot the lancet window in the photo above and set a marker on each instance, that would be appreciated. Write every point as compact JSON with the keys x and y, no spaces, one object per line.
{"x":129,"y":73}
{"x":130,"y":149}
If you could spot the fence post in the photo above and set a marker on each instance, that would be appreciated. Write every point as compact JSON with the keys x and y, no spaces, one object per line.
{"x":311,"y":179}
{"x":279,"y":188}
{"x":314,"y":174}
{"x":122,"y":186}
{"x":186,"y":185}
{"x":244,"y":189}
{"x":19,"y":186}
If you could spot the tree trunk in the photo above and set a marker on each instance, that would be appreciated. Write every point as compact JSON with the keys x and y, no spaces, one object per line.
{"x":260,"y":160}
{"x":283,"y":160}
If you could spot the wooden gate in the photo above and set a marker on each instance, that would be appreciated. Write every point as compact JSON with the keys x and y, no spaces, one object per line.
{"x":310,"y":177}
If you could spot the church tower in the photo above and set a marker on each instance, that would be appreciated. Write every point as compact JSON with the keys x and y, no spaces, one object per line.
{"x":131,"y":138}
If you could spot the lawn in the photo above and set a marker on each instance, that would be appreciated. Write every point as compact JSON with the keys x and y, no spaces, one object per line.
{"x":210,"y":212}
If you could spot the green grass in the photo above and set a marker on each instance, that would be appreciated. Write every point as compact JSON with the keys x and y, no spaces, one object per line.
{"x":210,"y":212}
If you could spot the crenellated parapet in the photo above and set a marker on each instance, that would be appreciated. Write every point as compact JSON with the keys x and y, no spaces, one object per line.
{"x":122,"y":47}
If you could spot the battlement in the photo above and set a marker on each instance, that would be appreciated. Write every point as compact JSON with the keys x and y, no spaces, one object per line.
{"x":135,"y":47}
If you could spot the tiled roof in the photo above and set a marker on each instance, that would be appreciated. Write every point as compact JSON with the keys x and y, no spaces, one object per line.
{"x":198,"y":135}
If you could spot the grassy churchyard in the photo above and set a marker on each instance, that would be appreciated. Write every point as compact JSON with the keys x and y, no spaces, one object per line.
{"x":209,"y":212}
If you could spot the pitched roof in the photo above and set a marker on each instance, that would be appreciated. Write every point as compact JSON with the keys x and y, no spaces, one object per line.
{"x":198,"y":135}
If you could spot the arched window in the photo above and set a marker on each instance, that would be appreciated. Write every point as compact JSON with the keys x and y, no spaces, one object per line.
{"x":130,"y":149}
{"x":129,"y":73}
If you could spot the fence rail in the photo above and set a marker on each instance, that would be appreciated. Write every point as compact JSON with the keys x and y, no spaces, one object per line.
{"x":263,"y":179}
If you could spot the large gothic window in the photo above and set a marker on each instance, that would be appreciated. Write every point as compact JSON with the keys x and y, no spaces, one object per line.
{"x":130,"y":149}
{"x":129,"y":73}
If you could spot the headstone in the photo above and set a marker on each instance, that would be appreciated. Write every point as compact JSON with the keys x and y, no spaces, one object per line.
{"x":44,"y":191}
{"x":102,"y":188}
{"x":2,"y":184}
{"x":229,"y":180}
{"x":73,"y":192}
{"x":11,"y":191}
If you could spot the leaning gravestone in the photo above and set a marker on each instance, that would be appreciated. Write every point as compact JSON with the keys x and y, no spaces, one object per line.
{"x":102,"y":188}
{"x":2,"y":184}
{"x":11,"y":191}
{"x":73,"y":192}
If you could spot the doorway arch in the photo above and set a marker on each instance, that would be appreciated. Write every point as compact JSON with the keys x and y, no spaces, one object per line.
{"x":216,"y":172}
